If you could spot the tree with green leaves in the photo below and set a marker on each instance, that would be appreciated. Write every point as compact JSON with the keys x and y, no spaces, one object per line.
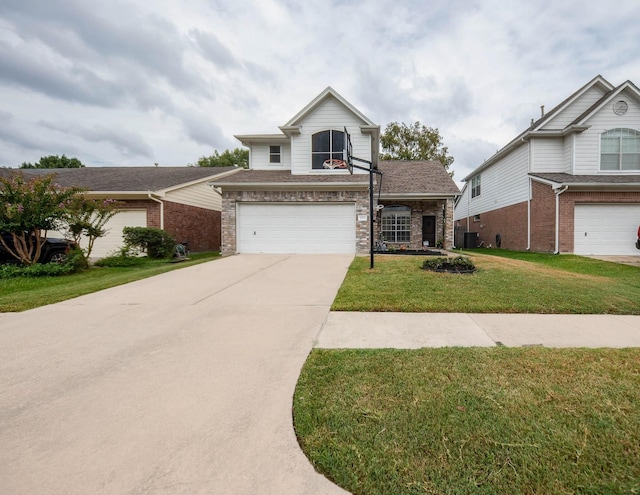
{"x":86,"y":220}
{"x":228,"y":158}
{"x":413,"y":142}
{"x":54,"y":161}
{"x":30,"y":208}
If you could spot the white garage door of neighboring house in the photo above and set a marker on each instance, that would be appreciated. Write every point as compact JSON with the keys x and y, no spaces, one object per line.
{"x":606,"y":229}
{"x":296,"y":228}
{"x":107,"y":245}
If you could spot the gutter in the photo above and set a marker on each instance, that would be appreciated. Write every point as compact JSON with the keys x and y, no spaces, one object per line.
{"x":558,"y":192}
{"x":158,"y":200}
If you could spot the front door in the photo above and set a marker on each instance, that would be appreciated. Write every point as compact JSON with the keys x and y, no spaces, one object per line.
{"x":429,"y":230}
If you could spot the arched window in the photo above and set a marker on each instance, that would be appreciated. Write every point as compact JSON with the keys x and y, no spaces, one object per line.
{"x":620,"y":150}
{"x":396,"y":223}
{"x":327,"y":146}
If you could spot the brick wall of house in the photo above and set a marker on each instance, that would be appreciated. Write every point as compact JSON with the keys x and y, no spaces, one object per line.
{"x":568,"y":201}
{"x":543,"y":218}
{"x":152,"y":208}
{"x":510,"y":222}
{"x":441,"y":209}
{"x":199,"y":227}
{"x":231,"y":198}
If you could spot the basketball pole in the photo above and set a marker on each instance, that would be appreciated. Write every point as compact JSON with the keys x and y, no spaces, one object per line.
{"x":371,"y":171}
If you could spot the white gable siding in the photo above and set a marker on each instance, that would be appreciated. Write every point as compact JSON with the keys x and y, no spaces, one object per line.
{"x":201,"y":195}
{"x":503,"y":184}
{"x":547,"y":155}
{"x":330,"y":114}
{"x":260,"y":157}
{"x":574,"y":110}
{"x":588,"y":143}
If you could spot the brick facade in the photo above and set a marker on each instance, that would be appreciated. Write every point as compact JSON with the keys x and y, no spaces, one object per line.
{"x":231,"y":198}
{"x":441,"y":209}
{"x":199,"y":227}
{"x":568,"y":201}
{"x":511,"y":222}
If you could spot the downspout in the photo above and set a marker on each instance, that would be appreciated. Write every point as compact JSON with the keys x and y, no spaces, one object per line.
{"x":529,"y":216}
{"x":161,"y":209}
{"x":558,"y":193}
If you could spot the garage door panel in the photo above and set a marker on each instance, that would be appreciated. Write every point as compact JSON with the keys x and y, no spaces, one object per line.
{"x":300,"y":228}
{"x":606,"y":229}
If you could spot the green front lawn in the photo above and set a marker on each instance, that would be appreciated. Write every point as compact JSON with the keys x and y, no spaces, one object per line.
{"x":473,"y":420}
{"x":20,"y":294}
{"x":505,"y":282}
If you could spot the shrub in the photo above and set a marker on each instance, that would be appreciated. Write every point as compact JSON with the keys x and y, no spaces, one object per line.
{"x":73,"y":264}
{"x":155,"y":242}
{"x":459,"y":264}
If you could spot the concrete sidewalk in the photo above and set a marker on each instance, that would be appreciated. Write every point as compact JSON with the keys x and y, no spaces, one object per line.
{"x":415,"y":330}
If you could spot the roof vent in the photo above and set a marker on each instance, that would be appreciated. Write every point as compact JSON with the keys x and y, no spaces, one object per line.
{"x":541,"y":110}
{"x":620,"y":107}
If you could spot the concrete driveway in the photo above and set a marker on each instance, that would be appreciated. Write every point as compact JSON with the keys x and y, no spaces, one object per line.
{"x":181,"y":383}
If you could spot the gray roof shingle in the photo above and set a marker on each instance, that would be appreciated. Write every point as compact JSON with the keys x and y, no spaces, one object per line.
{"x":416,"y":177}
{"x":133,"y":179}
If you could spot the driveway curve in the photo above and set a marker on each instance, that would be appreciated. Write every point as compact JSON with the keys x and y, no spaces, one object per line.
{"x":180,"y":383}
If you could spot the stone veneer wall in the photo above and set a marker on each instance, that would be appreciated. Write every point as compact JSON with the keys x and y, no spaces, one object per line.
{"x":441,"y":209}
{"x":231,"y":198}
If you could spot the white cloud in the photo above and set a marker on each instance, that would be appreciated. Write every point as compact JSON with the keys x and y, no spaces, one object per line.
{"x":125,"y":82}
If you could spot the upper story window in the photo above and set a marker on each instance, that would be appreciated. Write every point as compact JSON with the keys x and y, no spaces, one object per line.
{"x":475,"y":186}
{"x":275,"y":153}
{"x":327,"y":149}
{"x":620,"y":150}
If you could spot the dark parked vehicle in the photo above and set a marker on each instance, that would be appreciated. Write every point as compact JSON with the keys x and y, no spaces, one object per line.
{"x":53,"y":250}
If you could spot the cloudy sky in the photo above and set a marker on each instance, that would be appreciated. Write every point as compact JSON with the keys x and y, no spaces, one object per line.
{"x":124,"y":82}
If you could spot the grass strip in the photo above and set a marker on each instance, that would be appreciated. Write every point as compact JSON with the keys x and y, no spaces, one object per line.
{"x":473,"y":420}
{"x":524,"y":283}
{"x":21,"y":294}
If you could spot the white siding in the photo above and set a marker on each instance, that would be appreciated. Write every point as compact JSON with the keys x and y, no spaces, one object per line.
{"x":574,"y":110}
{"x":260,"y":157}
{"x":503,"y":184}
{"x":201,"y":195}
{"x":548,"y":155}
{"x":588,"y":143}
{"x":330,"y":114}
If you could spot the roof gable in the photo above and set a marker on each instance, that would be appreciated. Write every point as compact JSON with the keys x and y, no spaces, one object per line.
{"x":627,"y":88}
{"x":598,"y":83}
{"x":318,"y":100}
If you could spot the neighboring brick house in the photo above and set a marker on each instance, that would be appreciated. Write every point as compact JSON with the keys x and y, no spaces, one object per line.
{"x":176,"y":199}
{"x":298,"y":196}
{"x":570,"y":183}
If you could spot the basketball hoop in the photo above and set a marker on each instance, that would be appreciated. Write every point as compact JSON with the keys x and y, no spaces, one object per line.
{"x":334,"y":163}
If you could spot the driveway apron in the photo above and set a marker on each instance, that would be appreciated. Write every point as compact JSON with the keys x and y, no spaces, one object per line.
{"x":180,"y":383}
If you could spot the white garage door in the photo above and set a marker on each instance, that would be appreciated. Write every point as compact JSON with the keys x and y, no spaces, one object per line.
{"x":296,"y":228}
{"x":108,"y":244}
{"x":606,"y":229}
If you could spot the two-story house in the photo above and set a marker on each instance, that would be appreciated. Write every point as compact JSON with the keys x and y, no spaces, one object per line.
{"x":570,"y":183}
{"x":299,"y":197}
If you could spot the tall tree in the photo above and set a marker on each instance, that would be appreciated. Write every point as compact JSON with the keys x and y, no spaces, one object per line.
{"x":228,"y":158}
{"x":413,"y":142}
{"x":54,"y":161}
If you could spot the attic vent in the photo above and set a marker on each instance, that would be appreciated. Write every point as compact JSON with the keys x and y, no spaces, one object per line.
{"x":620,"y":107}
